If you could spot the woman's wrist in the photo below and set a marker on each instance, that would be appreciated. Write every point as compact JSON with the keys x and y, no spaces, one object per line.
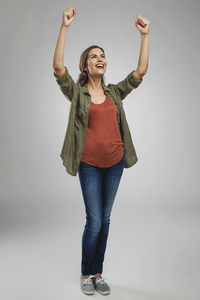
{"x":143,"y":34}
{"x":64,"y":26}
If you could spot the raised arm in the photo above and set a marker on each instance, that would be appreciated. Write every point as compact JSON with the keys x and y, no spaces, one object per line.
{"x":135,"y":77}
{"x":142,"y":25}
{"x":63,"y":78}
{"x":58,"y":59}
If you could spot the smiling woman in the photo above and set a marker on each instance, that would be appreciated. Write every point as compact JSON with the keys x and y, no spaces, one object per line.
{"x":88,"y":60}
{"x":97,"y":144}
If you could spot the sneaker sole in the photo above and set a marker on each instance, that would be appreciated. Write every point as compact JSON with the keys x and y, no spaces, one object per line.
{"x":88,"y":292}
{"x":103,"y":293}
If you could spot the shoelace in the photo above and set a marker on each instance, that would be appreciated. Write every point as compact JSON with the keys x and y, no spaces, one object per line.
{"x":100,"y":280}
{"x":87,"y":280}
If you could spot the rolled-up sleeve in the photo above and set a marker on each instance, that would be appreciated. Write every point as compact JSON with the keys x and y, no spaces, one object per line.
{"x":124,"y":87}
{"x":67,"y":84}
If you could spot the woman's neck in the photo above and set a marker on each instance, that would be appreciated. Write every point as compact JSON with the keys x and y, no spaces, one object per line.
{"x":95,"y":84}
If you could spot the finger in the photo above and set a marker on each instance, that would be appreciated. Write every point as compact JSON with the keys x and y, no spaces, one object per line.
{"x":70,"y":12}
{"x":140,"y":17}
{"x":137,"y":19}
{"x":144,"y":20}
{"x":141,"y":21}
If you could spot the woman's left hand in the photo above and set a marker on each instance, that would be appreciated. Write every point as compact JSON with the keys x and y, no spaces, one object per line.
{"x":142,"y":24}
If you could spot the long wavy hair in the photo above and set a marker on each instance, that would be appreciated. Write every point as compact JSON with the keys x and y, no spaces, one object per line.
{"x":83,"y":76}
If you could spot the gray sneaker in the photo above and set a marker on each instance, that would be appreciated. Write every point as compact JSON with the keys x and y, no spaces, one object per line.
{"x":87,"y":285}
{"x":101,"y":286}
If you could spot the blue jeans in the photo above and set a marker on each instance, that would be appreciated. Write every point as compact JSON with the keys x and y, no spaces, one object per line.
{"x":99,"y":187}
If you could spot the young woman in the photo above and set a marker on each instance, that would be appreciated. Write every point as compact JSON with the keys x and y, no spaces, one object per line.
{"x":98,"y":142}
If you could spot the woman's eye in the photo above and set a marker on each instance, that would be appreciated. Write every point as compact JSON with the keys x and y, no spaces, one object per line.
{"x":102,"y":56}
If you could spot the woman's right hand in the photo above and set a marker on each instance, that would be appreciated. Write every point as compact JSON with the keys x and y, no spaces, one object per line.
{"x":68,"y":16}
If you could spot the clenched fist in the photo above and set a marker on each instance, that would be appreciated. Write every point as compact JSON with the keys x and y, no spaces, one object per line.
{"x":68,"y":16}
{"x":142,"y":24}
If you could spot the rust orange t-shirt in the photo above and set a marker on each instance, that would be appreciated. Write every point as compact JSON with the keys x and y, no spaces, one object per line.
{"x":103,"y":144}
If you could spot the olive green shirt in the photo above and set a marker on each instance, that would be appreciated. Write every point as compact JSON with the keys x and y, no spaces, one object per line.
{"x":76,"y":131}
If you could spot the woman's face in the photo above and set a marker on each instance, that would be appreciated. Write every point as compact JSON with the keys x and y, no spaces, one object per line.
{"x":96,"y":57}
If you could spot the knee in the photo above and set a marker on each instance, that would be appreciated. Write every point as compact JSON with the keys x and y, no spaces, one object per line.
{"x":93,"y":225}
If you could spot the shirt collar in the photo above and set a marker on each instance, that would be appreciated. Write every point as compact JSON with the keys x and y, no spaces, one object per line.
{"x":85,"y":88}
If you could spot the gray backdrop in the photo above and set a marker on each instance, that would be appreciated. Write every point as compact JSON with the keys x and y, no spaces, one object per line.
{"x":154,"y":244}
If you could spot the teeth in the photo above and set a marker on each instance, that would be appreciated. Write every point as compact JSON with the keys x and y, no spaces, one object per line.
{"x":99,"y":65}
